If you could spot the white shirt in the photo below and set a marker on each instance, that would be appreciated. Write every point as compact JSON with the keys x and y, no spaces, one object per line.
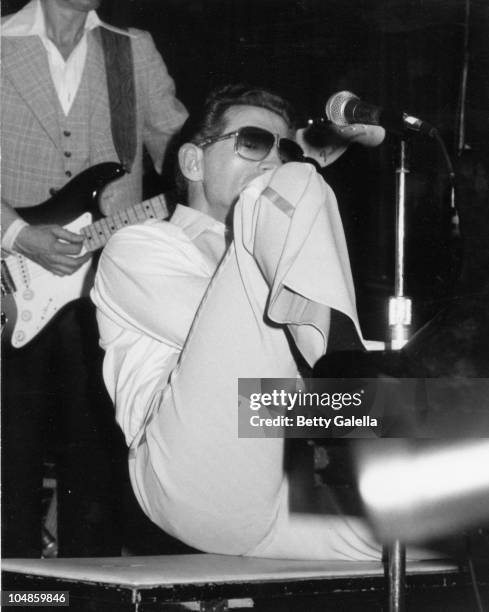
{"x":66,"y":74}
{"x":142,"y":266}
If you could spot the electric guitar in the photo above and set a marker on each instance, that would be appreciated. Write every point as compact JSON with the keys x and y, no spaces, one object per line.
{"x":31,"y":295}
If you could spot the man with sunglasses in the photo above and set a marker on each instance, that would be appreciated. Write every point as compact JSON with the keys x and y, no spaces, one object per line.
{"x":184,"y":311}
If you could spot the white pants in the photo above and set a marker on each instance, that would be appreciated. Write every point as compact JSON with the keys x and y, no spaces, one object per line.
{"x":192,"y":474}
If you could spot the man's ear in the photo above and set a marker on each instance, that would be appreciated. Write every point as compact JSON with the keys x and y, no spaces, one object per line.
{"x":190,"y":158}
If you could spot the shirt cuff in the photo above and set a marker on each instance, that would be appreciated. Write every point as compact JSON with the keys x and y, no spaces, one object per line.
{"x":10,"y":236}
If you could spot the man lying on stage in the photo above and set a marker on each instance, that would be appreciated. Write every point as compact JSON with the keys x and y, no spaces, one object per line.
{"x":254,"y":265}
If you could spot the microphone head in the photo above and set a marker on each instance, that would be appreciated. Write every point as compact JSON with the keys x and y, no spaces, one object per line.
{"x":335,"y":106}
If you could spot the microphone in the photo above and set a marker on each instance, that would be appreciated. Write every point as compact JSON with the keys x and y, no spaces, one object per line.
{"x":345,"y":108}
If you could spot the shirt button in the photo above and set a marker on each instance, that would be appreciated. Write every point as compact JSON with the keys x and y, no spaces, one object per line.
{"x":67,"y":133}
{"x":52,"y":191}
{"x":67,"y":153}
{"x":68,"y":173}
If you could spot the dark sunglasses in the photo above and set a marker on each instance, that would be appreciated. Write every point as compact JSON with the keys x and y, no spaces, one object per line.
{"x":254,"y":144}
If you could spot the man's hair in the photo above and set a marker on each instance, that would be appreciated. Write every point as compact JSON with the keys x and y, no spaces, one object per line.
{"x":211,"y":121}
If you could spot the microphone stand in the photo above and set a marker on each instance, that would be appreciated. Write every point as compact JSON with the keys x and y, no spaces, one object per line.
{"x":400,"y":318}
{"x":399,"y":304}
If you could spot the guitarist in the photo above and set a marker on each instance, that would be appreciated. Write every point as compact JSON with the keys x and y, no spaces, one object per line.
{"x":62,"y":112}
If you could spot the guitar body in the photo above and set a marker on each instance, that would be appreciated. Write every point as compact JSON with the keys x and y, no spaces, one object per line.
{"x":31,"y":295}
{"x":80,"y":195}
{"x":40,"y":295}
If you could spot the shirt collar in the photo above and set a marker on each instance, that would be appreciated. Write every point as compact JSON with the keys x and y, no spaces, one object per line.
{"x":29,"y":21}
{"x":193,"y":222}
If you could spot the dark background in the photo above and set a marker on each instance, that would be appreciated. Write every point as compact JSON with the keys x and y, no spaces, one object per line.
{"x":406,"y":54}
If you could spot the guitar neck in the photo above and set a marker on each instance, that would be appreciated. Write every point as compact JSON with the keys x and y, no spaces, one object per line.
{"x":97,"y":234}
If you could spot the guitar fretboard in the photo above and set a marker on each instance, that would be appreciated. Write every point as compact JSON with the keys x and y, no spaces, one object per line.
{"x":97,"y":234}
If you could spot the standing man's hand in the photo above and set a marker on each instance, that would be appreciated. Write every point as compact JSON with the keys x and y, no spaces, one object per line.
{"x":52,"y":247}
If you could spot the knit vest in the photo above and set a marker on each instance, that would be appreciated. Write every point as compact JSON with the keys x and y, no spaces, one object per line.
{"x":75,"y":131}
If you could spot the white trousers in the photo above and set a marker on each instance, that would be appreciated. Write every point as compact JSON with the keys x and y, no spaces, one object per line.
{"x":192,"y":474}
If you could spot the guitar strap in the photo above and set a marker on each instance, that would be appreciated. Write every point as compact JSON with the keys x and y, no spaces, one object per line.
{"x":119,"y":69}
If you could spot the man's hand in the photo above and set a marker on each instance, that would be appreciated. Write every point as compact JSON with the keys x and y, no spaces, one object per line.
{"x":52,"y":247}
{"x":325,"y":142}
